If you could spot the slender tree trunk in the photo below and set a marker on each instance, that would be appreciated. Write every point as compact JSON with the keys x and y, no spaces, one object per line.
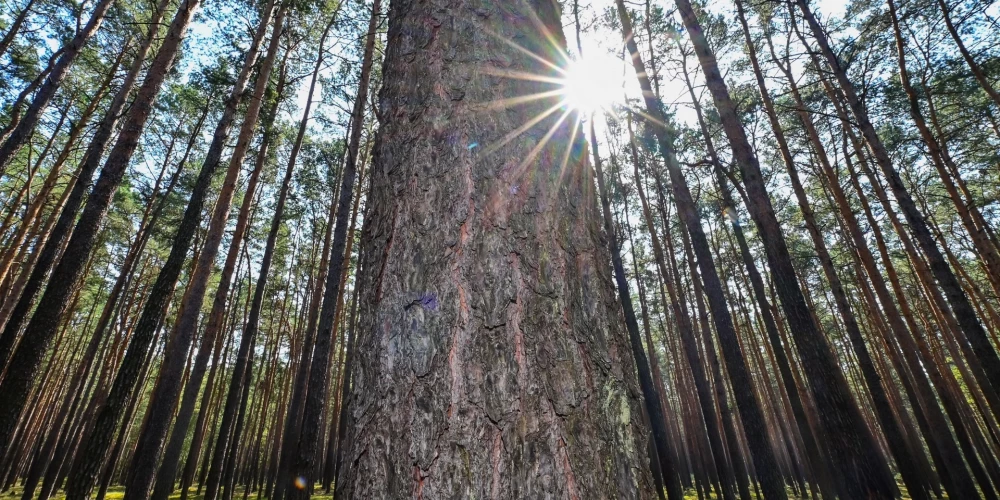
{"x":942,"y":163}
{"x":946,"y":279}
{"x":654,"y":406}
{"x":15,"y":27}
{"x":303,"y":467}
{"x":977,"y":70}
{"x":887,"y":421}
{"x":862,"y":473}
{"x":816,"y":463}
{"x":163,"y":400}
{"x":48,"y":255}
{"x":19,"y":136}
{"x":749,"y":405}
{"x":24,"y":363}
{"x":35,"y":208}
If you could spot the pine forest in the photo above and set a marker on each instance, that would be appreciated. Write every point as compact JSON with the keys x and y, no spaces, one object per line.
{"x":499,"y":249}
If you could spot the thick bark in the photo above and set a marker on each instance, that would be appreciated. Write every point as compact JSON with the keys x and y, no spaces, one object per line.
{"x":24,"y":363}
{"x":473,"y":366}
{"x":749,"y":405}
{"x":68,"y":53}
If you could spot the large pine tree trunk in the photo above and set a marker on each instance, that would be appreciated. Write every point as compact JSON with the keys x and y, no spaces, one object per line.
{"x":491,"y":360}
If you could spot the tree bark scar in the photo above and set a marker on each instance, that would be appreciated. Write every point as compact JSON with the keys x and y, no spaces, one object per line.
{"x":516,"y":311}
{"x":419,"y":476}
{"x":457,"y":340}
{"x":497,"y":455}
{"x":568,"y":472}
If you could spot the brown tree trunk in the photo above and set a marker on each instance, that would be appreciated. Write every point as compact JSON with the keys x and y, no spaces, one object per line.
{"x":451,"y":372}
{"x":163,"y":399}
{"x":68,"y":53}
{"x":65,"y":216}
{"x":749,"y":405}
{"x":654,"y":405}
{"x":977,"y":71}
{"x":815,"y":464}
{"x":946,"y":279}
{"x":860,"y":471}
{"x":887,"y":421}
{"x":303,"y":466}
{"x":15,"y":27}
{"x":24,"y":363}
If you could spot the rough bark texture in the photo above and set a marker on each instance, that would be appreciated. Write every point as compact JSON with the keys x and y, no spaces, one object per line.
{"x":492,"y":362}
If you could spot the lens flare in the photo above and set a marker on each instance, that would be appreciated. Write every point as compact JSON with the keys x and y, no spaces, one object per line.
{"x":300,"y":482}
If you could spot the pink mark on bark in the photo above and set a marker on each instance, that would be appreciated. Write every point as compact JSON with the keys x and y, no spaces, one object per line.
{"x":418,"y":476}
{"x":568,"y":472}
{"x":497,"y":455}
{"x":454,"y":357}
{"x":515,"y":314}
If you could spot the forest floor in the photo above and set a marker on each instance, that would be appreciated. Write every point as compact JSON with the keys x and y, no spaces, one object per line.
{"x":118,"y":493}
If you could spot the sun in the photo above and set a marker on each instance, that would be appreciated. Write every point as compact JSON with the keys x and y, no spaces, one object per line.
{"x":593,"y":83}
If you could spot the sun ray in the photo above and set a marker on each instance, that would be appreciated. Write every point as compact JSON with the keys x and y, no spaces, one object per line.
{"x":569,"y":147}
{"x":511,"y":102}
{"x":545,"y":139}
{"x":520,"y":130}
{"x":521,"y":75}
{"x":648,"y":117}
{"x":525,"y":51}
